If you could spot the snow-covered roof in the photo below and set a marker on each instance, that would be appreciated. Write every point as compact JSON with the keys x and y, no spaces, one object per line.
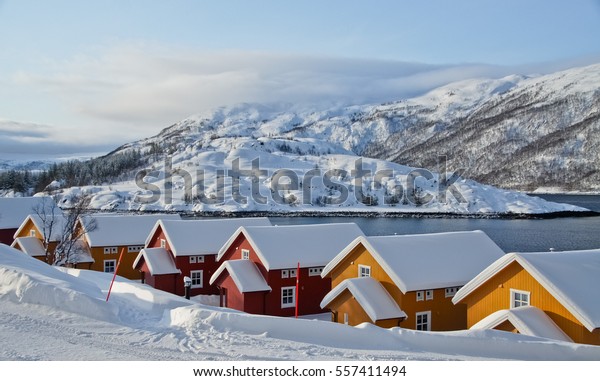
{"x":245,"y":275}
{"x":159,"y":261}
{"x":572,"y":277}
{"x":528,"y":320}
{"x":30,"y":245}
{"x":13,"y":210}
{"x":202,"y":237}
{"x":280,"y":247}
{"x":427,"y":261}
{"x":56,"y":222}
{"x":80,"y":253}
{"x":372,"y":297}
{"x":120,"y":230}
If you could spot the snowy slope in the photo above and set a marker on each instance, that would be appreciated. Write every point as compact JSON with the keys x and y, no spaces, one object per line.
{"x":141,"y":323}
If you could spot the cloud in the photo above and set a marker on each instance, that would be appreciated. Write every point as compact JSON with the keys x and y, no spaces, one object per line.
{"x":121,"y":93}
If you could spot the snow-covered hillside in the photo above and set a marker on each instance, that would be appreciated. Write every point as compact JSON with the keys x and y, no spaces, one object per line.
{"x":50,"y":313}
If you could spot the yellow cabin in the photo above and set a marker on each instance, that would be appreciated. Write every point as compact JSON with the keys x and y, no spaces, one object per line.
{"x":34,"y":230}
{"x":113,"y":234}
{"x":412,"y":279}
{"x":554,"y":295}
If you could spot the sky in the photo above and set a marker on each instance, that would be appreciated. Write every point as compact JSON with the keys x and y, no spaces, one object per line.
{"x":88,"y":76}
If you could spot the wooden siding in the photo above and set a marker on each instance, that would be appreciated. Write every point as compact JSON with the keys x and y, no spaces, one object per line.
{"x":126,"y":269}
{"x":26,"y":232}
{"x":494,"y":295}
{"x":445,"y":316}
{"x":312,"y":288}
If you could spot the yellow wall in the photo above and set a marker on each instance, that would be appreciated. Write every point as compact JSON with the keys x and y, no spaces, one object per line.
{"x":494,"y":295}
{"x":125,"y":268}
{"x":26,"y":232}
{"x":445,"y":316}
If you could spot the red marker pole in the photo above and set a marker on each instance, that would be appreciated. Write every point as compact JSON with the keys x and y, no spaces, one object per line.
{"x":297,"y":288}
{"x":115,"y":274}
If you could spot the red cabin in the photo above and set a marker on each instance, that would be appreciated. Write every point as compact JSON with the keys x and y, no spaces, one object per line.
{"x":258,"y":267}
{"x":187,"y":248}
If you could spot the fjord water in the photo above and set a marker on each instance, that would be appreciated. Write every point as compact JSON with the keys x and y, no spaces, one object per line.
{"x":567,"y":233}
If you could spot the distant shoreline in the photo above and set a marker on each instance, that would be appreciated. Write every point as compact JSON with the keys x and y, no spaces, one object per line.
{"x":366,"y":214}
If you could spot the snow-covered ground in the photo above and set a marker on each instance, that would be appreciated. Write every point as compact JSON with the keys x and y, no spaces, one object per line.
{"x":49,"y":313}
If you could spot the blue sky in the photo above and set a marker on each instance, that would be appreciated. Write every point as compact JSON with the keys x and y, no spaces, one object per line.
{"x":96,"y":74}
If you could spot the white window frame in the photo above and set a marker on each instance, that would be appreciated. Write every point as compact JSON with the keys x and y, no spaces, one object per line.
{"x":346,"y":319}
{"x":293,"y":273}
{"x":420,"y":296}
{"x":427,"y":324}
{"x":315,"y":271}
{"x":428,"y":294}
{"x":513,"y":299}
{"x":245,"y":254}
{"x":114,"y":265}
{"x":111,"y":250}
{"x":288,"y":303}
{"x":451,"y":291}
{"x":134,"y":249}
{"x":364,"y":271}
{"x":193,"y":275}
{"x":285,"y":274}
{"x":196,"y":258}
{"x":32,"y":233}
{"x":163,"y":243}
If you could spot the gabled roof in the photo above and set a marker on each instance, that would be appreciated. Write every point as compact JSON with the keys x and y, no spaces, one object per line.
{"x":280,"y":247}
{"x":80,"y":253}
{"x":427,"y":261}
{"x":372,"y":297}
{"x":528,"y":320}
{"x":31,"y":246}
{"x":56,"y":222}
{"x":121,"y":230}
{"x":13,"y":210}
{"x":202,"y":237}
{"x":572,"y":277}
{"x":245,"y":275}
{"x":159,"y":261}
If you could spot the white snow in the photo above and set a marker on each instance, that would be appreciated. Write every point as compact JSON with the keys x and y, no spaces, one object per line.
{"x":202,"y":237}
{"x":371,"y":295}
{"x":159,"y":261}
{"x":428,"y":261}
{"x":122,"y":230}
{"x":570,"y":276}
{"x":14,"y":210}
{"x":245,"y":275}
{"x":31,"y":246}
{"x":528,"y":320}
{"x":49,"y":313}
{"x":282,"y":247}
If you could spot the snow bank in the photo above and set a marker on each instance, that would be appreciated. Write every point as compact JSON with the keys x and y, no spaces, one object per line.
{"x":27,"y":280}
{"x":457,"y":344}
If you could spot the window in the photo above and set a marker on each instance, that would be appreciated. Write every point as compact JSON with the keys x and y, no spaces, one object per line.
{"x":197,"y":259}
{"x":134,"y":249}
{"x":163,"y":243}
{"x":346,"y":318}
{"x":429,"y":295}
{"x":245,"y":254}
{"x":423,"y":321}
{"x":451,"y":291}
{"x":288,"y":297}
{"x":420,"y":295}
{"x":292,"y":273}
{"x":315,"y":271}
{"x":110,"y":250}
{"x":32,"y":232}
{"x":288,"y":273}
{"x":109,"y":266}
{"x":364,"y":271}
{"x":518,"y":298}
{"x":196,"y":277}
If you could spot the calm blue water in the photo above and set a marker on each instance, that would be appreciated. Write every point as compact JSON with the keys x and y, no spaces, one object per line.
{"x":576,"y":233}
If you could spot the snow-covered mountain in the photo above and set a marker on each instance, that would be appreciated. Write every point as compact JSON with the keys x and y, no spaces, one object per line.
{"x":515,"y":132}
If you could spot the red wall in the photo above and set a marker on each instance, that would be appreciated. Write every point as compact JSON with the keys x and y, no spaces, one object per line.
{"x":312,"y":288}
{"x":6,"y":236}
{"x":183,"y":263}
{"x":164,"y":282}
